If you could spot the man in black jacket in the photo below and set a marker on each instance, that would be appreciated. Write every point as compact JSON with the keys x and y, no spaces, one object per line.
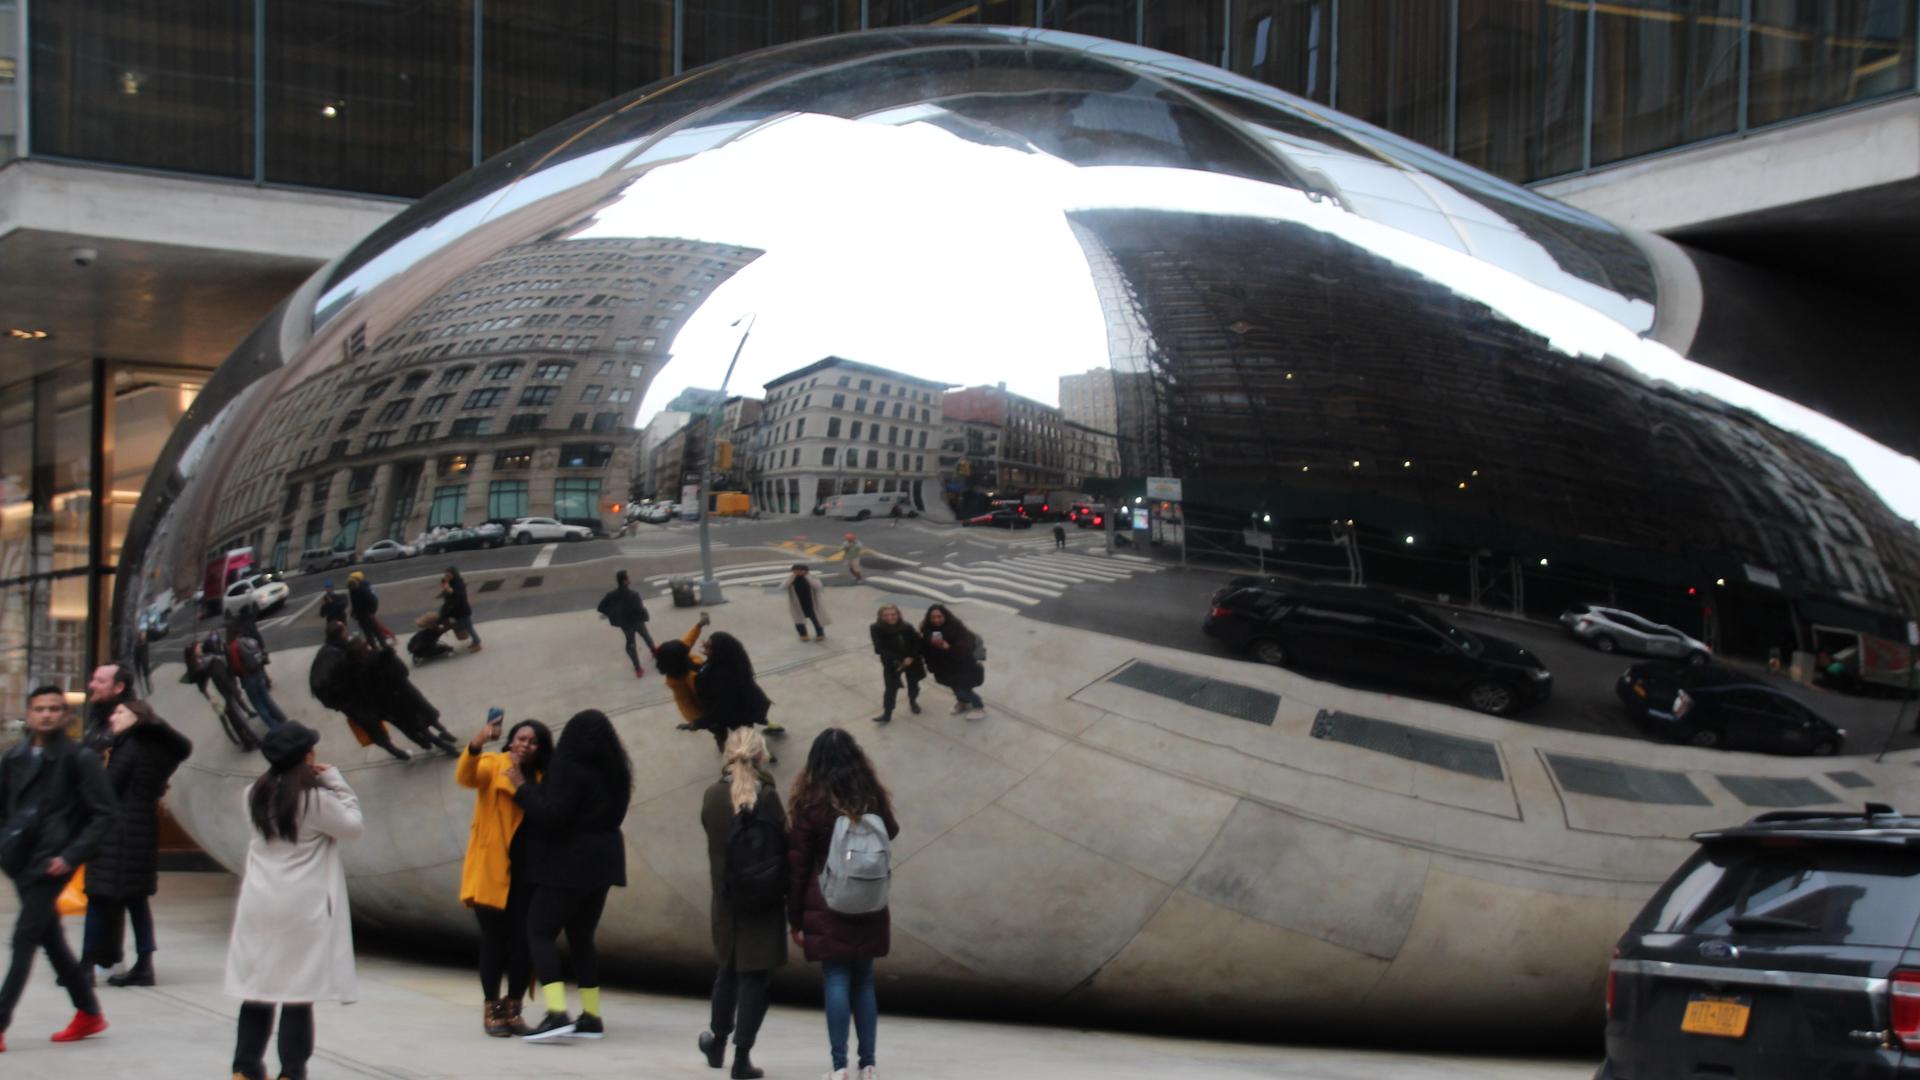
{"x":625,"y":610}
{"x":110,"y":685}
{"x":55,"y":806}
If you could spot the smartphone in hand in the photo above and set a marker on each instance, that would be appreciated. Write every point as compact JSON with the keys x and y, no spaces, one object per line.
{"x":496,"y":716}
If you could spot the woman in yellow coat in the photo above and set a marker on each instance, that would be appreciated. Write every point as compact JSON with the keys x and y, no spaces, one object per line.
{"x":490,"y":878}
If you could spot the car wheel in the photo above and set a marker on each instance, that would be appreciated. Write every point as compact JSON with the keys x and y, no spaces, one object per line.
{"x":1492,"y":697}
{"x":1824,"y":748}
{"x":520,"y":538}
{"x":1269,"y":651}
{"x":1604,"y":643}
{"x":1705,"y":737}
{"x":862,"y":516}
{"x":1698,"y":659}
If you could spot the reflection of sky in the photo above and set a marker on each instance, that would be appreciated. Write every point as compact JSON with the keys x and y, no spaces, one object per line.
{"x":903,"y":246}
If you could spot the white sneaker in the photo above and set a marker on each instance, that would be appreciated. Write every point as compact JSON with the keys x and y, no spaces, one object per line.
{"x":975,"y":714}
{"x":869,"y":1073}
{"x":837,"y":1074}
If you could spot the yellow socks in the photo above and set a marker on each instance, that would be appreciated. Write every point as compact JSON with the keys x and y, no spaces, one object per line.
{"x":556,"y":994}
{"x":590,"y":1000}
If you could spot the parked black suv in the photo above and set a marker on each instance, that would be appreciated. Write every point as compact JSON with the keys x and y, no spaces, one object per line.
{"x":1378,"y":635}
{"x":1788,"y":947}
{"x":1710,"y":706}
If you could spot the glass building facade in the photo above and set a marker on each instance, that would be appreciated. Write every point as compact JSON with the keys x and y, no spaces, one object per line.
{"x":395,"y":99}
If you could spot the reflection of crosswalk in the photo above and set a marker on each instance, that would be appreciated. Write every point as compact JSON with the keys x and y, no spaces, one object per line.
{"x":1014,"y":581}
{"x":760,"y":573}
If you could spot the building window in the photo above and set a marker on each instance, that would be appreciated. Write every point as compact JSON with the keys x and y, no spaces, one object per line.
{"x":507,"y":499}
{"x":576,"y":497}
{"x":839,"y":401}
{"x":316,"y":531}
{"x":347,"y":422}
{"x":449,"y":504}
{"x":852,"y":458}
{"x":843,"y":381}
{"x":375,"y":390}
{"x":891,"y":462}
{"x":591,"y":393}
{"x":377,"y":439}
{"x":518,"y":457}
{"x":854,"y":432}
{"x":919,"y":463}
{"x":826,"y":455}
{"x":413,"y":382}
{"x":553,"y":370}
{"x":421,"y":432}
{"x":486,"y":398}
{"x":833,"y":427}
{"x":866,"y":385}
{"x":605,"y":368}
{"x":579,"y":422}
{"x":800,"y":428}
{"x":860,"y":405}
{"x":433,"y":405}
{"x":453,"y":376}
{"x":619,"y":397}
{"x":359,"y":480}
{"x":505,"y":369}
{"x":395,"y":411}
{"x":525,"y":422}
{"x":605,"y":423}
{"x":873,"y":459}
{"x":471,"y":426}
{"x":585,"y":455}
{"x":896,"y":410}
{"x":893,"y":435}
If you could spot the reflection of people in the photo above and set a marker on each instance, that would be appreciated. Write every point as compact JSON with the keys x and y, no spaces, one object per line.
{"x":124,"y":874}
{"x":493,"y":876}
{"x":900,"y":648}
{"x":365,"y":605}
{"x":628,"y":613}
{"x":390,"y":695}
{"x":895,"y":515}
{"x":209,"y":656}
{"x":747,"y":868}
{"x":55,"y":807}
{"x":142,"y":663}
{"x":730,"y":698}
{"x":292,"y":942}
{"x":678,"y":665}
{"x":851,"y":553}
{"x":806,"y":604}
{"x":333,"y":606}
{"x":838,"y":782}
{"x":953,"y":656}
{"x":336,"y":682}
{"x":456,"y":609}
{"x":1059,"y":538}
{"x":247,"y":661}
{"x":576,"y":854}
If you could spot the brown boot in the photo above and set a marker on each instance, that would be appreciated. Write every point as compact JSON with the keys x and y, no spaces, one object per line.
{"x":510,"y":1013}
{"x":494,"y":1019}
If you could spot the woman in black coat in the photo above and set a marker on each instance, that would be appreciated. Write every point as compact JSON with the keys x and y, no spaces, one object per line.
{"x":575,"y":855}
{"x":729,"y":696}
{"x":124,"y":874}
{"x":456,"y":610}
{"x":900,"y":650}
{"x":388,"y":693}
{"x":952,"y":658}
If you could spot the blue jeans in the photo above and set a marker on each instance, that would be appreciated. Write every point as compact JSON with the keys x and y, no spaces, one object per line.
{"x":849,"y":988}
{"x":968,"y":697}
{"x":256,"y":687}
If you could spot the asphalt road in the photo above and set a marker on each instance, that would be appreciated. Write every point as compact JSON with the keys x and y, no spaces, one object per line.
{"x":1131,"y":595}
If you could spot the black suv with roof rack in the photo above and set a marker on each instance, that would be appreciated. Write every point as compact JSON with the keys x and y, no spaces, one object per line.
{"x":1787,"y":947}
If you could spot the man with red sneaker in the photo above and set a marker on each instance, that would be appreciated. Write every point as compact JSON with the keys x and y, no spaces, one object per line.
{"x":55,"y":806}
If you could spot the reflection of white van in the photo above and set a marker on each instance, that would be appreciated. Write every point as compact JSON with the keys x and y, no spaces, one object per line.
{"x":866,"y":504}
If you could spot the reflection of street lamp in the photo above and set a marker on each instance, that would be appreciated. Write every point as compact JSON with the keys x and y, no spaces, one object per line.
{"x":709,"y":587}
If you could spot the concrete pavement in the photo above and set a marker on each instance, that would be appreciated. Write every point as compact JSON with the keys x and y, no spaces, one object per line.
{"x":420,"y":1021}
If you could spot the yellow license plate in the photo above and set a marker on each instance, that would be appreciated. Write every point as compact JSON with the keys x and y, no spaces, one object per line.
{"x":1640,"y":691}
{"x":1724,"y":1017}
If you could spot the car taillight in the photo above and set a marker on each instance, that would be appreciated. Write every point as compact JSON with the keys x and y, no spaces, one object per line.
{"x":1610,"y":981}
{"x":1582,"y":624}
{"x":1904,"y":989}
{"x":1220,"y":612}
{"x":1098,"y":520}
{"x":1682,"y":704}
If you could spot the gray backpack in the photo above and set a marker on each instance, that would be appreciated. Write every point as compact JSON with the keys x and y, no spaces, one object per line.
{"x":859,"y":866}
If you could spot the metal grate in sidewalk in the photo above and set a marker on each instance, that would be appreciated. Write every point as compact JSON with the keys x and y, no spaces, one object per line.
{"x":1201,"y":692}
{"x":1474,"y":757}
{"x":1629,"y":783}
{"x":1777,"y":791}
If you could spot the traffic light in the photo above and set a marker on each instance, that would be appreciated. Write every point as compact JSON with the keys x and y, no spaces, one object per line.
{"x":723,"y":457}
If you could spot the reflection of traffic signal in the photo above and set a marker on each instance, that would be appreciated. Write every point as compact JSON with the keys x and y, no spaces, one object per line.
{"x":723,"y":457}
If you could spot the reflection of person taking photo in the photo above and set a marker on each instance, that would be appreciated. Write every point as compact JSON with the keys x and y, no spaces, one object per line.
{"x":493,"y":878}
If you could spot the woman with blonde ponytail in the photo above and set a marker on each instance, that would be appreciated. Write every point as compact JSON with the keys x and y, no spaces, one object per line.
{"x":747,"y":861}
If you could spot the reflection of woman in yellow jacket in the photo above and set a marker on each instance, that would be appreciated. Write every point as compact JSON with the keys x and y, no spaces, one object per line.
{"x":490,"y":878}
{"x":679,"y":663}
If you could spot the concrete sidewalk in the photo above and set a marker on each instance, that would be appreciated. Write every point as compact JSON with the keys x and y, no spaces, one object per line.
{"x":416,"y":1020}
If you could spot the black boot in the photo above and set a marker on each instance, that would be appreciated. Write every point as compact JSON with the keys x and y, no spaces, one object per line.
{"x":140,"y":974}
{"x":884,"y":718}
{"x":743,"y":1065}
{"x":715,"y":1047}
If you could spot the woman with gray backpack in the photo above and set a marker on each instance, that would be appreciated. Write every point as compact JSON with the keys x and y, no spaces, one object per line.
{"x":840,"y":858}
{"x":747,"y":862}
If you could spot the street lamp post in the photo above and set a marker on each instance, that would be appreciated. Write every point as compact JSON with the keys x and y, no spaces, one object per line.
{"x":709,"y":586}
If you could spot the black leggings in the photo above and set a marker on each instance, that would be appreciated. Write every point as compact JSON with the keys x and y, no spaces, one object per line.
{"x":503,"y":944}
{"x":296,"y":1040}
{"x":741,"y":994}
{"x":576,"y":911}
{"x":801,"y":627}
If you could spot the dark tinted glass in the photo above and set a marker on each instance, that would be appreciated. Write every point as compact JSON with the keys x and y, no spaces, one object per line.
{"x":161,"y":83}
{"x":1665,"y":72}
{"x":1194,"y":31}
{"x":374,"y":98}
{"x":1285,"y":43}
{"x":716,"y":29}
{"x":1116,"y":19}
{"x":949,"y":12}
{"x":1810,"y":55}
{"x":1393,"y":66}
{"x":544,"y":62}
{"x":1523,"y":87}
{"x":1845,"y":895}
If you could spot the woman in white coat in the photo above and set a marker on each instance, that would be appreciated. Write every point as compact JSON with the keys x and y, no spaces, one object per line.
{"x":292,"y":940}
{"x":806,"y":603}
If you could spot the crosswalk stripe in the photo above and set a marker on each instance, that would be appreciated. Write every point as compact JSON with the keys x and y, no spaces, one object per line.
{"x":1133,"y":558}
{"x":918,"y":589}
{"x":1073,"y":569}
{"x":967,"y":587}
{"x":1023,"y":583}
{"x":724,"y":571}
{"x":1017,"y":574}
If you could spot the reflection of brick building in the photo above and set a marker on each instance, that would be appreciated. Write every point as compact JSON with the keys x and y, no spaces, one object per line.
{"x":1031,"y":450}
{"x":507,"y":393}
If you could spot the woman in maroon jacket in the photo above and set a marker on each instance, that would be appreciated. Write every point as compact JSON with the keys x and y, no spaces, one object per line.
{"x":838,"y":782}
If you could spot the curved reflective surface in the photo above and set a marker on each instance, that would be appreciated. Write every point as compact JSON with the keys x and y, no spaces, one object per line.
{"x":1379,"y":711}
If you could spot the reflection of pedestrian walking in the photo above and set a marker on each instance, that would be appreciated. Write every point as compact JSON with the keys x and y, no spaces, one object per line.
{"x":1059,"y":538}
{"x":391,"y":695}
{"x":805,"y":603}
{"x":214,"y":670}
{"x":333,"y":606}
{"x":248,"y":663}
{"x":143,"y":663}
{"x":895,"y":515}
{"x":899,"y":647}
{"x":456,"y":609}
{"x":365,"y":605}
{"x":628,"y":614}
{"x":851,"y":553}
{"x":336,"y":683}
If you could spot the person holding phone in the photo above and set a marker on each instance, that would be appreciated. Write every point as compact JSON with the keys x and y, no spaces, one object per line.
{"x":493,"y":877}
{"x":953,"y":659}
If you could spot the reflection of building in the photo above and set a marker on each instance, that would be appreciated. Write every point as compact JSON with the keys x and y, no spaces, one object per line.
{"x":1122,"y":398}
{"x":647,"y":453}
{"x":1088,"y":398}
{"x":507,"y":393}
{"x":1031,"y":450}
{"x":839,"y":426}
{"x":1092,"y":454}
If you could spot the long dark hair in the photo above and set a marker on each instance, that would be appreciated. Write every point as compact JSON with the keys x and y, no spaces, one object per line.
{"x":725,"y":687}
{"x":673,"y":658}
{"x":839,"y":775}
{"x":589,"y":744}
{"x":542,"y":745}
{"x":277,"y":799}
{"x":953,"y":628}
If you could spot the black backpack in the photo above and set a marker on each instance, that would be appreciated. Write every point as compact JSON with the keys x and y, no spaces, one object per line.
{"x":755,"y":876}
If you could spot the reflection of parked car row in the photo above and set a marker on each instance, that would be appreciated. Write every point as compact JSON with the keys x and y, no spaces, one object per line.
{"x":255,"y":594}
{"x":1613,"y":630}
{"x":1707,"y":706}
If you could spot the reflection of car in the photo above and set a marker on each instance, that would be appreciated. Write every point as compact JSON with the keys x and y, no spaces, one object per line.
{"x":385,"y":550}
{"x":462,"y":540}
{"x":157,"y":619}
{"x":1610,"y":629}
{"x":253,"y":595}
{"x":1002,"y":519}
{"x":1778,"y":950}
{"x":1708,"y":706}
{"x":314,"y":560}
{"x":1088,"y":517}
{"x":529,"y":529}
{"x":861,"y":505}
{"x":653,"y":514}
{"x":1374,"y":633}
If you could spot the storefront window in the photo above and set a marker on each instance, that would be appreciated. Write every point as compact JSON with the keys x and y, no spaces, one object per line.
{"x":950,"y":12}
{"x":1394,"y":61}
{"x":716,"y":29}
{"x":1523,"y":87}
{"x":1285,"y":43}
{"x":544,"y":62}
{"x":1115,"y":19}
{"x":1666,"y":72}
{"x":449,"y":503}
{"x":1809,"y":56}
{"x":576,"y":498}
{"x":507,"y":499}
{"x":1194,"y":31}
